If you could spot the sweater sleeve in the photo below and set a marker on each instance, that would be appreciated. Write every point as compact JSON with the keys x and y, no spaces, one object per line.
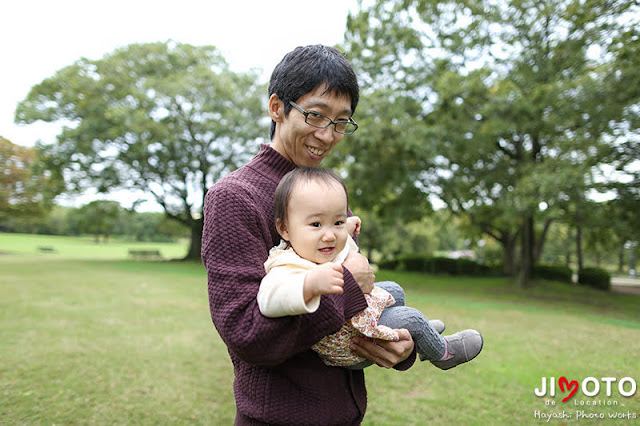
{"x":236,"y":242}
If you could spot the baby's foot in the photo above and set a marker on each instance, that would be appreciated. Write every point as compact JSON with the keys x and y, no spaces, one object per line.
{"x":461,"y":347}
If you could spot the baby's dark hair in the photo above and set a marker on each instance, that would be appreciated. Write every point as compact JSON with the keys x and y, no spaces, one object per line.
{"x":301,"y":174}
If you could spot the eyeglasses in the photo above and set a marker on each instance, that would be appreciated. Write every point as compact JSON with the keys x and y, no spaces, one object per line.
{"x":315,"y":119}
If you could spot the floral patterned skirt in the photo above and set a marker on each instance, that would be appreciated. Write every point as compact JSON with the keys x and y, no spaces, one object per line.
{"x":334,"y":349}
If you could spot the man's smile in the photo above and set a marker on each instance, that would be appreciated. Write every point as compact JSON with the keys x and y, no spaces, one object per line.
{"x":316,"y":151}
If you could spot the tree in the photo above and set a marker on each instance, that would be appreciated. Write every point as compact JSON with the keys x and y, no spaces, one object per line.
{"x":515,"y":104}
{"x":623,"y":215}
{"x":391,"y":136}
{"x":152,"y":227}
{"x":99,"y":218}
{"x":26,"y":191}
{"x":167,"y":118}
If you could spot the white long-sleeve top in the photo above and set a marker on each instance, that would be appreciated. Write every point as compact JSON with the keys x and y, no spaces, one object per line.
{"x":282,"y":289}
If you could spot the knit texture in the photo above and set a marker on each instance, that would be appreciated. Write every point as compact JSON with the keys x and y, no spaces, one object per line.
{"x":278,"y":379}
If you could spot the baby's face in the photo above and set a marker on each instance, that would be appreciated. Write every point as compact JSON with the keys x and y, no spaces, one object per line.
{"x":316,"y":223}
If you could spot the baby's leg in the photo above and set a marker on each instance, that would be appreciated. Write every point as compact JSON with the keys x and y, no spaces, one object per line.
{"x":398,"y":294}
{"x":396,"y":291}
{"x":429,"y":343}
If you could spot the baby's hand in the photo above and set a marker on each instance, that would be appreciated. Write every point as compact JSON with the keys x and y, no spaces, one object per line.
{"x":325,"y":279}
{"x":353,"y":225}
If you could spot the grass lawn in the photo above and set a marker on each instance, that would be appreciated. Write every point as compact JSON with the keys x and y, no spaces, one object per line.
{"x":83,"y":247}
{"x":122,"y":342}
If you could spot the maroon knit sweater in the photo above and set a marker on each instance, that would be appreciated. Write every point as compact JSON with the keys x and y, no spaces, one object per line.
{"x":278,"y":378}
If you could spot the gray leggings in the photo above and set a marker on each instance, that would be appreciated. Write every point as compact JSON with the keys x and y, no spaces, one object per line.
{"x":429,"y":344}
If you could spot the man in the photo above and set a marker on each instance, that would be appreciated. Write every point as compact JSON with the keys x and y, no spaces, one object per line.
{"x":278,"y":378}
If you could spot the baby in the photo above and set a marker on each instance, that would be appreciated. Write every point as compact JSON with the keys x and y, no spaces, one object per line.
{"x":311,"y":215}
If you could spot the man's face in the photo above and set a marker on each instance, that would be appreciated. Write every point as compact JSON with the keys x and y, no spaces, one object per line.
{"x":305,"y":145}
{"x":316,"y":223}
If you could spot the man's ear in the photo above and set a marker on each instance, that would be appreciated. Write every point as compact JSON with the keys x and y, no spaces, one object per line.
{"x":282,"y":229}
{"x":276,"y":108}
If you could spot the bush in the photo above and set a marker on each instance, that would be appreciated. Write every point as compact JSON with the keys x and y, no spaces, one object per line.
{"x":560,"y":273}
{"x":470,"y":267}
{"x":440,"y":265}
{"x":435,"y":265}
{"x":595,"y":277}
{"x":413,"y":262}
{"x":389,"y":264}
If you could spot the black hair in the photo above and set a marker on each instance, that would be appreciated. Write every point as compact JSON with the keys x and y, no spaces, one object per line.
{"x":302,"y":174}
{"x":307,"y":67}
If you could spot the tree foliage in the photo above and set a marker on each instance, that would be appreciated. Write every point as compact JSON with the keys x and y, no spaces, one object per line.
{"x":166,"y":118}
{"x":503,"y":107}
{"x":99,"y":218}
{"x":26,"y":190}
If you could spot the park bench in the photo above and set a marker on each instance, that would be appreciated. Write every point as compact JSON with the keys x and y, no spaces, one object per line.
{"x":46,"y":249}
{"x":145,"y":254}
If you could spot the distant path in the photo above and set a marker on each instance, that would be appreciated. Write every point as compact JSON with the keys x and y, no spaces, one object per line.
{"x":625,"y":285}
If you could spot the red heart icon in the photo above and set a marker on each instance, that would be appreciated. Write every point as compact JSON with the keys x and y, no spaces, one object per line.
{"x":573,"y":384}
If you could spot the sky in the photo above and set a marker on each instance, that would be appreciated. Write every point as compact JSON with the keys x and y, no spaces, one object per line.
{"x":39,"y":37}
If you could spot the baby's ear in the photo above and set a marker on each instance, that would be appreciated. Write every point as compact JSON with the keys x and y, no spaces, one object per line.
{"x":282,"y":229}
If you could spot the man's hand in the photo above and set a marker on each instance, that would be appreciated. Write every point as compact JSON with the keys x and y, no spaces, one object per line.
{"x":384,"y":352}
{"x":359,"y":267}
{"x":325,"y":279}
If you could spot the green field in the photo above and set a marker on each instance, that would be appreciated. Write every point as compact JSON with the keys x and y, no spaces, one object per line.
{"x":82,"y":247}
{"x":89,"y":337}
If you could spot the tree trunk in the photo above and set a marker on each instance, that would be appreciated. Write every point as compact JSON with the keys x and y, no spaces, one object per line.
{"x":621,"y":258}
{"x":579,"y":235}
{"x":369,"y":251}
{"x":567,"y":253}
{"x":509,"y":254}
{"x":526,"y":251}
{"x":579,"y":246}
{"x":196,"y":240}
{"x":540,"y":242}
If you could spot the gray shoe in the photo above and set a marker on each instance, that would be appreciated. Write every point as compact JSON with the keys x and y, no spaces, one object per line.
{"x":464,"y":346}
{"x":437,"y":325}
